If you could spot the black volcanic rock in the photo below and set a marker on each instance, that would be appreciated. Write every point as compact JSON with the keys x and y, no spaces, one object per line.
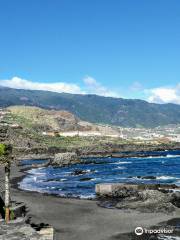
{"x":141,"y":197}
{"x":146,"y":177}
{"x":78,"y":172}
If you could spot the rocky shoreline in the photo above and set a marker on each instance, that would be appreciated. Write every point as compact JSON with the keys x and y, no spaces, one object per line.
{"x":106,"y":150}
{"x":126,"y":152}
{"x":140,"y":197}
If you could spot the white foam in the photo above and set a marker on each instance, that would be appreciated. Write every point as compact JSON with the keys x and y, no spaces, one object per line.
{"x":93,"y":179}
{"x":121,"y":163}
{"x":63,"y":179}
{"x":90,"y":196}
{"x":120,"y":167}
{"x":172,"y":156}
{"x":35,"y":172}
{"x":35,"y":179}
{"x":165,"y":177}
{"x":157,"y":178}
{"x":155,"y":157}
{"x":40,"y":168}
{"x":59,"y":189}
{"x":140,"y":179}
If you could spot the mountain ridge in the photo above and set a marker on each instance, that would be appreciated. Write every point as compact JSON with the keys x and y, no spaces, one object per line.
{"x":96,"y":109}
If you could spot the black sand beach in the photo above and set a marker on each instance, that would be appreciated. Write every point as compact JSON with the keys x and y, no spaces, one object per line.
{"x":75,"y":219}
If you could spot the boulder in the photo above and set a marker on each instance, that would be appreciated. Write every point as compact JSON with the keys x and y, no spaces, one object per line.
{"x":64,"y":159}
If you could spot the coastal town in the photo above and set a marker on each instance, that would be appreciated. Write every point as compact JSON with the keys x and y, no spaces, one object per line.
{"x":162,"y":133}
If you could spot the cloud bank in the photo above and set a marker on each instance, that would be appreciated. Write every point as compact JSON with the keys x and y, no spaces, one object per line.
{"x":93,"y":87}
{"x":164,"y":94}
{"x":20,"y":83}
{"x":90,"y":86}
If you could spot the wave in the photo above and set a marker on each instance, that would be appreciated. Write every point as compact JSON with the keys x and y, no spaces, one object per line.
{"x":155,"y":157}
{"x":121,"y":162}
{"x":35,"y":172}
{"x":159,"y":156}
{"x":137,"y":178}
{"x":56,"y":180}
{"x":147,"y":178}
{"x":120,"y":167}
{"x":165,"y":178}
{"x":90,"y":196}
{"x":171,"y":156}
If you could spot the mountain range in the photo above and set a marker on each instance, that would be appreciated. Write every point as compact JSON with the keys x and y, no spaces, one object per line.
{"x":96,"y":109}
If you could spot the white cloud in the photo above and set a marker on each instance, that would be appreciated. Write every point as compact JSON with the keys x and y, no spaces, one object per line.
{"x":90,"y":81}
{"x":91,"y":86}
{"x":167,"y":94}
{"x":164,"y":94}
{"x":94,"y":87}
{"x":19,"y":83}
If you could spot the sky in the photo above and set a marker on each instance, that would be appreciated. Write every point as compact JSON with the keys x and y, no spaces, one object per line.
{"x":118,"y":48}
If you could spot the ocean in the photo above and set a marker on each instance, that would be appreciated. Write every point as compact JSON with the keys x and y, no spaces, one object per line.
{"x":79,"y":180}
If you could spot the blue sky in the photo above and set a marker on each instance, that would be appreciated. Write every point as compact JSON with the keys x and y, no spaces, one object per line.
{"x":121,"y":48}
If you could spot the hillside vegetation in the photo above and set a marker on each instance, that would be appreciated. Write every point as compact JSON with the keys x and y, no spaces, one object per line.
{"x":96,"y":109}
{"x":30,"y":122}
{"x":41,"y":119}
{"x":26,"y":126}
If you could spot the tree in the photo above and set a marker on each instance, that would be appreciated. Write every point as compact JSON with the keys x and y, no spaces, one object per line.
{"x":5,"y":159}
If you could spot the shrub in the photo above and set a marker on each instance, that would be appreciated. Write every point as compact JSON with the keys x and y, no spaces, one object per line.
{"x":2,"y":149}
{"x":5,"y":149}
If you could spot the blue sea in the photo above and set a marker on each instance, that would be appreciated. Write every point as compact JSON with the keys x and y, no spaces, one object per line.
{"x":79,"y":180}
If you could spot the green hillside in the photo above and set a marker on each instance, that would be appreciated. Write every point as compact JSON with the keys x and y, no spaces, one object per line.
{"x":96,"y":109}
